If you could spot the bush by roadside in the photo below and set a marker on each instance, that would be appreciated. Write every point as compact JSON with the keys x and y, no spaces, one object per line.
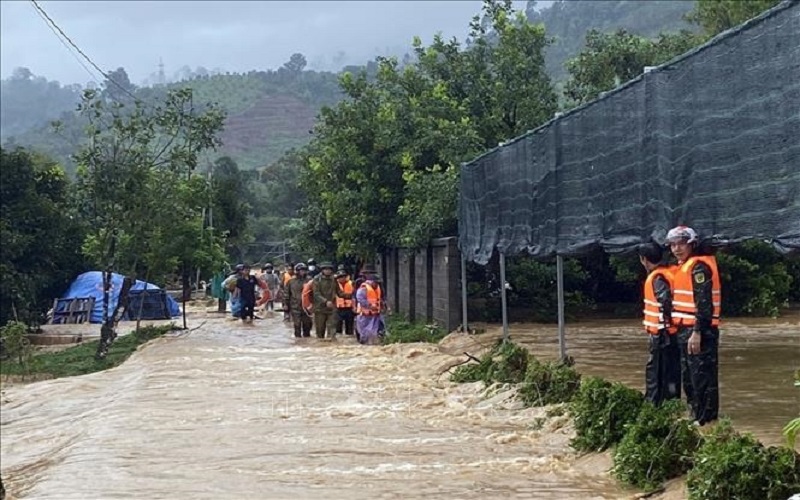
{"x":734,"y":465}
{"x":80,"y":359}
{"x":658,"y":446}
{"x":399,"y":330}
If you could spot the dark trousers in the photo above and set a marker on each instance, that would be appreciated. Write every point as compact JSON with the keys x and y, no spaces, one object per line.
{"x":302,"y":324}
{"x":346,"y":321}
{"x":325,"y":321}
{"x":700,"y":374}
{"x":663,"y":371}
{"x":247,"y":310}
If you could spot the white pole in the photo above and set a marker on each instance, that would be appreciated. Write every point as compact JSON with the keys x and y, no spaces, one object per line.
{"x":503,"y":295}
{"x":562,"y":347}
{"x":464,"y":321}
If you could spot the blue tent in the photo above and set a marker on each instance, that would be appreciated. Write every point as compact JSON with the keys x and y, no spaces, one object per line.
{"x":91,"y":285}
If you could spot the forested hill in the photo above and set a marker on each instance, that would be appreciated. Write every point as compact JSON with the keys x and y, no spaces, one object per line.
{"x":567,"y":22}
{"x":271,"y":112}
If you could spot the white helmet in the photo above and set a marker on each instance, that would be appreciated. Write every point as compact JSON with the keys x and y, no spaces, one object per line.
{"x":682,"y":233}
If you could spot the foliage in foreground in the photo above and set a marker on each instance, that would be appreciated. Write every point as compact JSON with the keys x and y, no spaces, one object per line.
{"x":39,"y":235}
{"x":15,"y":343}
{"x":401,"y":331}
{"x":734,"y":465}
{"x":602,"y":411}
{"x":539,"y":383}
{"x":80,"y":359}
{"x":505,"y":363}
{"x":658,"y":446}
{"x":549,"y":383}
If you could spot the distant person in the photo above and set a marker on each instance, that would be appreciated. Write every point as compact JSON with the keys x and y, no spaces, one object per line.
{"x":369,"y":322}
{"x":246,"y":285}
{"x":663,"y":370}
{"x":325,"y":291}
{"x":697,"y":298}
{"x":288,"y":274}
{"x":312,"y":268}
{"x":294,"y":297}
{"x":344,"y":306}
{"x":273,"y":284}
{"x":230,"y":285}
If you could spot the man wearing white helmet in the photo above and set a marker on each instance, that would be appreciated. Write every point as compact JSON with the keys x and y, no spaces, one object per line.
{"x":696,"y":312}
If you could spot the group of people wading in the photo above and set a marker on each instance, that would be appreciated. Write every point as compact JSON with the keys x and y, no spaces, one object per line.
{"x":318,"y":298}
{"x":681,"y":314}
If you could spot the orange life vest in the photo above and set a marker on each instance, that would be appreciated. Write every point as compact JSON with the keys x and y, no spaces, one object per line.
{"x":653,"y":314}
{"x":683,"y":307}
{"x":308,"y":295}
{"x":347,"y":288}
{"x":286,"y":278}
{"x":374,"y":300}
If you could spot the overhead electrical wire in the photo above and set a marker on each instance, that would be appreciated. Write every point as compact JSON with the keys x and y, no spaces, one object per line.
{"x":54,"y":27}
{"x":69,"y":49}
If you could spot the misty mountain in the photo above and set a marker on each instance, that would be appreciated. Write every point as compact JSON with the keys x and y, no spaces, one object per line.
{"x":271,"y":112}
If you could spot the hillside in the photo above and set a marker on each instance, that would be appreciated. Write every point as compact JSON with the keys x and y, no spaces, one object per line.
{"x":270,"y":112}
{"x":567,"y":22}
{"x":261,"y":133}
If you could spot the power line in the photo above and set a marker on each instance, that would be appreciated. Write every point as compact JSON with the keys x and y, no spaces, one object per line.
{"x":69,"y":49}
{"x":69,"y":40}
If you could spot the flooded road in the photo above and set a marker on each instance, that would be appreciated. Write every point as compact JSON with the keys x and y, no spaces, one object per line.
{"x":229,"y":411}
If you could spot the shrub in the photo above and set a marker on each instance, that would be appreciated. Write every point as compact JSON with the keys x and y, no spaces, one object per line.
{"x":509,"y":364}
{"x":549,"y":383}
{"x":505,"y":363}
{"x":472,"y":372}
{"x":602,"y":410}
{"x":656,"y":447}
{"x":732,"y":465}
{"x":15,"y":343}
{"x":400,"y":330}
{"x":755,"y":280}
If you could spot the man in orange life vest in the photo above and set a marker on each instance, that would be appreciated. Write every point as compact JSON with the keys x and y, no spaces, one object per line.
{"x":696,"y":311}
{"x":345,"y":307}
{"x":663,"y":370}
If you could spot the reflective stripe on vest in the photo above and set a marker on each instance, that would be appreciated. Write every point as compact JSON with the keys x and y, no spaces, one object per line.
{"x":653,"y":314}
{"x":374,"y":300}
{"x":683,"y":306}
{"x":346,"y":288}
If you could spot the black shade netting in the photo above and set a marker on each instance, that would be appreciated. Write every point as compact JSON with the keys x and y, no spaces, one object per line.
{"x":710,"y":140}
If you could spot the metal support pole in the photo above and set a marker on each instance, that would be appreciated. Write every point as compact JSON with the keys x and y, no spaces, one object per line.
{"x":464,"y":321}
{"x":503,"y":295}
{"x":562,"y":346}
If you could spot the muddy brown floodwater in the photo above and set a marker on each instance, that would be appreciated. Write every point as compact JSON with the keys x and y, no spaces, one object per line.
{"x":758,"y":359}
{"x":229,"y":411}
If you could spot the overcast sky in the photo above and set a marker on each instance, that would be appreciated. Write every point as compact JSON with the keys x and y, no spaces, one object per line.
{"x":231,"y":35}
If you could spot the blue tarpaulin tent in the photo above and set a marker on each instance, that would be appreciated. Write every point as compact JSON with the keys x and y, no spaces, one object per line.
{"x":91,"y":285}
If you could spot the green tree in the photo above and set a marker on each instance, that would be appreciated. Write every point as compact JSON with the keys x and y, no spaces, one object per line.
{"x":39,"y":232}
{"x":611,"y":59}
{"x":716,"y":16}
{"x":136,"y":188}
{"x":231,"y":205}
{"x":118,"y":87}
{"x":296,"y":63}
{"x":382,"y":168}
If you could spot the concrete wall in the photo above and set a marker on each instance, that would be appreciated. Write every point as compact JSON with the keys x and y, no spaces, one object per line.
{"x":425,"y":284}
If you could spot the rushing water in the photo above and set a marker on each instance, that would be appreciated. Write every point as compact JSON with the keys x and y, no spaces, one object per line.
{"x":229,"y":411}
